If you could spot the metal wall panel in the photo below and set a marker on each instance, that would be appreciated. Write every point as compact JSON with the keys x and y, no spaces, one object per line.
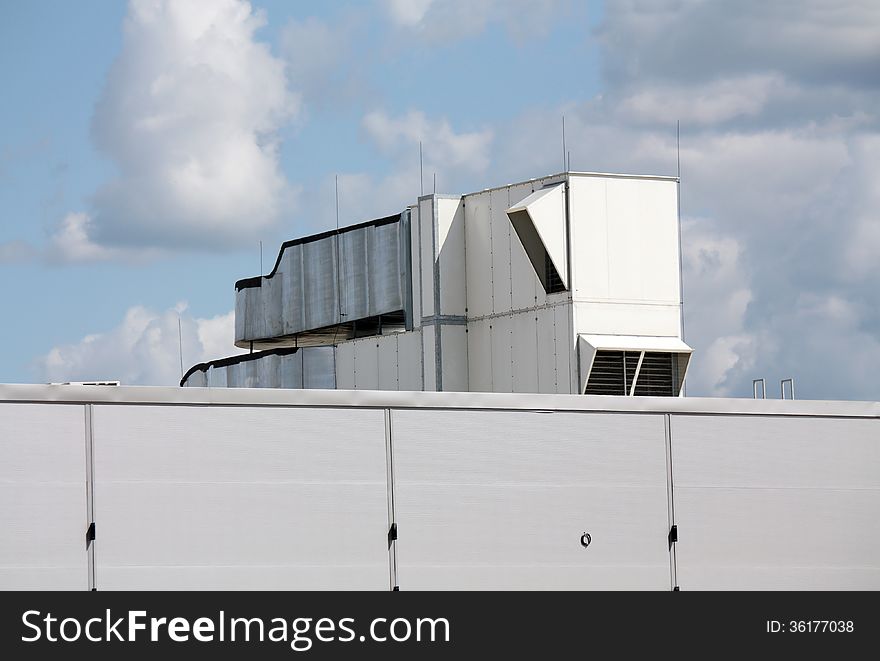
{"x":319,"y":367}
{"x":455,"y":354}
{"x":217,"y":377}
{"x":43,"y":491}
{"x":546,"y":332}
{"x":416,"y":261}
{"x":345,"y":357}
{"x":409,"y":360}
{"x":388,"y":360}
{"x":502,"y":297}
{"x":499,"y":500}
{"x":429,"y":362}
{"x":354,"y":275}
{"x":320,"y":283}
{"x":478,"y":255}
{"x":501,"y":331}
{"x":240,"y":498}
{"x":524,"y":350}
{"x":293,"y":310}
{"x":366,"y":364}
{"x":453,"y":297}
{"x":291,"y":370}
{"x":776,"y":503}
{"x":427,"y":255}
{"x":566,"y":369}
{"x":479,"y":356}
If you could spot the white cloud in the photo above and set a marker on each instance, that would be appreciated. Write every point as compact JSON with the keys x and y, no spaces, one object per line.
{"x":408,"y":12}
{"x":189,"y":115}
{"x":715,"y":102}
{"x":442,"y":145}
{"x":450,"y":20}
{"x":143,"y":349}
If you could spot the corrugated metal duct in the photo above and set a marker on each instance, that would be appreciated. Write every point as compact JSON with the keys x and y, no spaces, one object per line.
{"x":327,"y":282}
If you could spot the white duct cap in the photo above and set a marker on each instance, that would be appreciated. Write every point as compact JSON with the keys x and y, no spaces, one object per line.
{"x":632,"y":364}
{"x":539,"y":222}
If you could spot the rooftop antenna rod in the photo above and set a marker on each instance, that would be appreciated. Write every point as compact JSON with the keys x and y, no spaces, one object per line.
{"x":568,"y":165}
{"x":680,"y":260}
{"x":180,"y":344}
{"x":435,"y":183}
{"x":261,"y":257}
{"x":421,"y":174}
{"x":564,"y":150}
{"x":338,"y":268}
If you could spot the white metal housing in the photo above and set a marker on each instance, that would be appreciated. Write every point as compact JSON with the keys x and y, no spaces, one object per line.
{"x":216,"y":488}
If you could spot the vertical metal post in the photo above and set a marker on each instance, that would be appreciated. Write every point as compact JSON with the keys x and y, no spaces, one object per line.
{"x":670,"y":501}
{"x":392,"y":524}
{"x":90,"y":497}
{"x":782,"y":383}
{"x":755,"y":383}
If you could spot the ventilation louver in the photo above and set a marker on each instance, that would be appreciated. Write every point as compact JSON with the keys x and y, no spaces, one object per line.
{"x":650,"y":367}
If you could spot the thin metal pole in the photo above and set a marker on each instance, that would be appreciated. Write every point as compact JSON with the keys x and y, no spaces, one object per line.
{"x":435,"y":183}
{"x":337,"y":202}
{"x":680,"y":254}
{"x":564,"y":150}
{"x":180,"y":344}
{"x":421,"y":172}
{"x":261,"y":257}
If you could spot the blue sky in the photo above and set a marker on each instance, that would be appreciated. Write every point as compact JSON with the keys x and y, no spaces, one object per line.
{"x":147,"y":148}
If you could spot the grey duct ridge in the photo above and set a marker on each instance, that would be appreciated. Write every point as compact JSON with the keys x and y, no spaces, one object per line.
{"x":235,"y":360}
{"x":448,"y":319}
{"x":256,"y":281}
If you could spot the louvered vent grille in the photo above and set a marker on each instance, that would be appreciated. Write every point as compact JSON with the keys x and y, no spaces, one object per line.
{"x":551,"y":276}
{"x":612,"y":372}
{"x":659,"y":374}
{"x":655,"y":376}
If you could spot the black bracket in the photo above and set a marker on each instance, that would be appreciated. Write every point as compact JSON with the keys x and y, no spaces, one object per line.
{"x":90,"y":534}
{"x":392,"y":534}
{"x":673,"y":535}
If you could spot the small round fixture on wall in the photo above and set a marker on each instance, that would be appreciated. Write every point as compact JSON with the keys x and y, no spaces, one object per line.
{"x":586,"y":539}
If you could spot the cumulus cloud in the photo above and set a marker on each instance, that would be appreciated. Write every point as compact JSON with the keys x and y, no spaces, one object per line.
{"x":779,"y":152}
{"x":143,"y":349}
{"x":189,"y":115}
{"x":448,"y":20}
{"x":440,"y":142}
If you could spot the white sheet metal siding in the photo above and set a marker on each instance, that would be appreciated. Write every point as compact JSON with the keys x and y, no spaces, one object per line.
{"x":43,"y":494}
{"x":478,"y":255}
{"x":525,"y":351}
{"x":479,"y":356}
{"x":366,"y":364}
{"x":499,"y":500}
{"x":500,"y":230}
{"x":216,"y":488}
{"x":451,"y":253}
{"x":527,"y":291}
{"x":232,"y":498}
{"x":455,"y":352}
{"x":409,"y":360}
{"x":777,"y":503}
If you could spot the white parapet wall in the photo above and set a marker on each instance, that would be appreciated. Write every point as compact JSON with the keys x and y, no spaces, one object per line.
{"x":214,"y":488}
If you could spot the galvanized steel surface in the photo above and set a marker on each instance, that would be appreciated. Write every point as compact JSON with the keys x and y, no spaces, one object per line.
{"x":353,"y":274}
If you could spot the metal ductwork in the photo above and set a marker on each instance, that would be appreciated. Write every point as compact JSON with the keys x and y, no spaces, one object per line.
{"x":328,"y":288}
